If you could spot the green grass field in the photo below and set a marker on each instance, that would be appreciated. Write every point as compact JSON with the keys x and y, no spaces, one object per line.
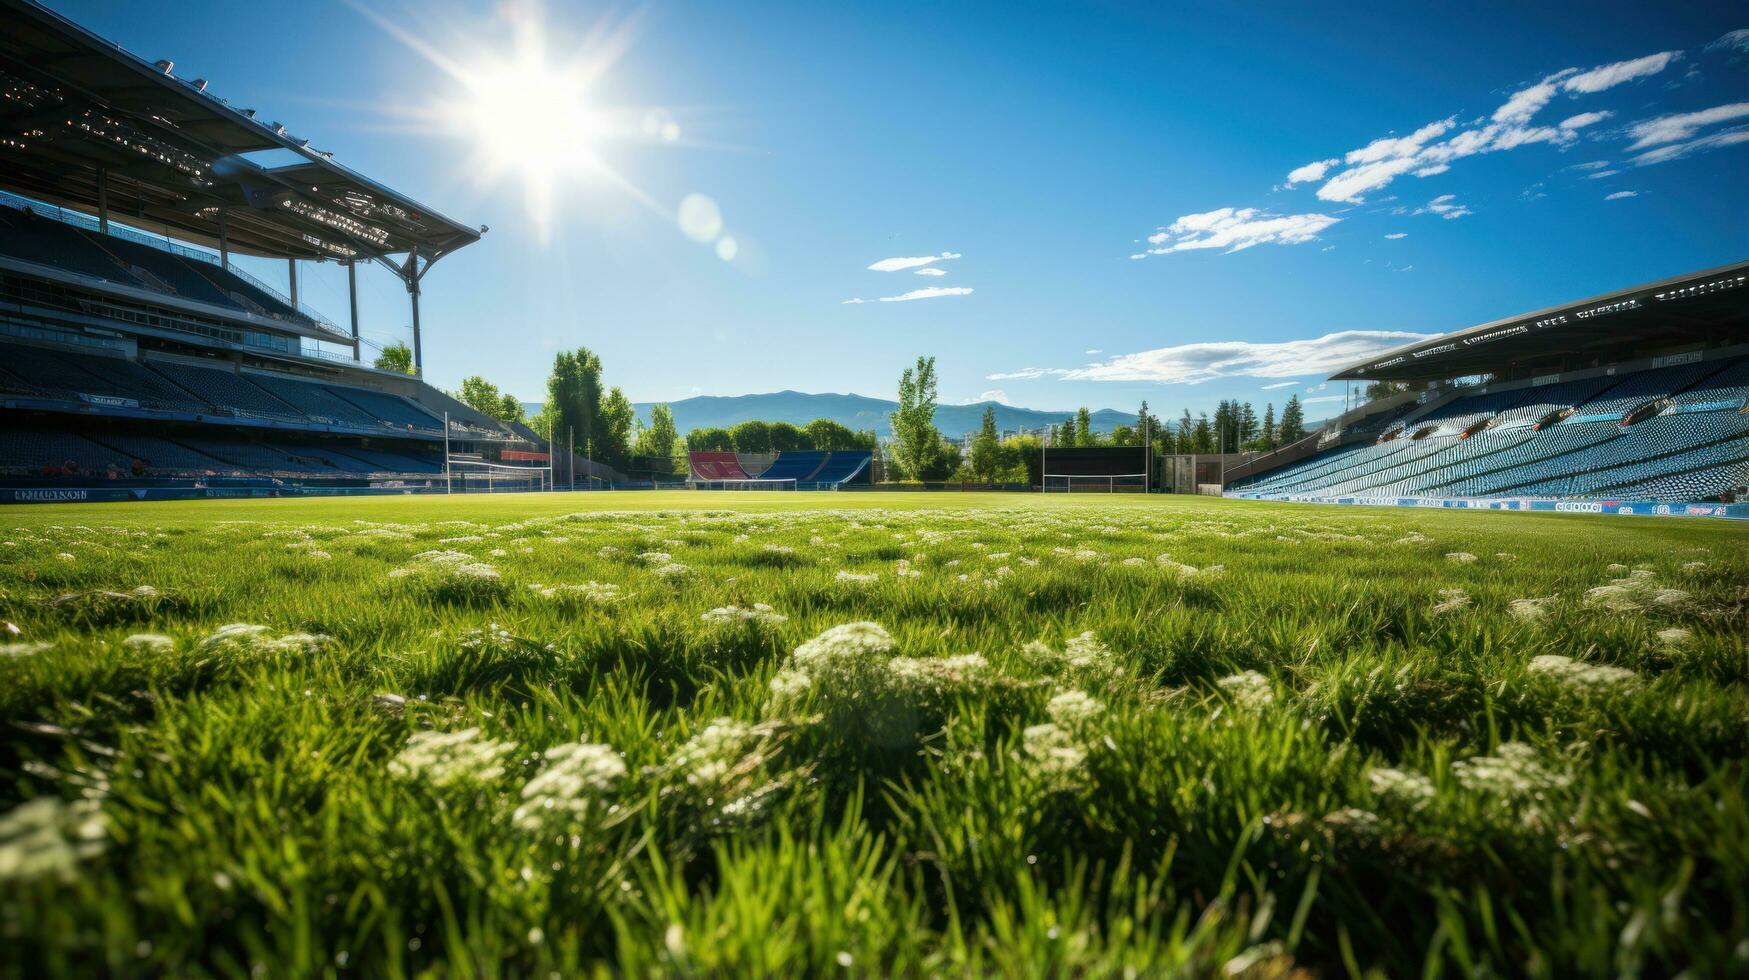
{"x":638,"y":734}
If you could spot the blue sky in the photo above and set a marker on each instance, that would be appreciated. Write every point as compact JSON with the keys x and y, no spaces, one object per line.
{"x":1111,"y":179}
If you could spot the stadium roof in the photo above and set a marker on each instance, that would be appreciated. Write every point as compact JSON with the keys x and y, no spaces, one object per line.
{"x":1700,"y":307}
{"x":74,"y":105}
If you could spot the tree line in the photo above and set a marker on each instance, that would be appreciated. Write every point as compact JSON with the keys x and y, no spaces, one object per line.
{"x":599,"y":423}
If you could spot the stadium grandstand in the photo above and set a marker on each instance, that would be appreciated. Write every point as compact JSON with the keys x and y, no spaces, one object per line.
{"x":1633,"y":402}
{"x":799,"y":469}
{"x":137,"y":359}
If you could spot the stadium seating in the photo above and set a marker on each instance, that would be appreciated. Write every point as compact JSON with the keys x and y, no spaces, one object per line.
{"x":31,"y":451}
{"x":391,"y":410}
{"x":713,"y":466}
{"x":1697,"y":446}
{"x":70,"y":375}
{"x":44,"y":239}
{"x":842,"y":466}
{"x":796,"y":464}
{"x":228,"y":390}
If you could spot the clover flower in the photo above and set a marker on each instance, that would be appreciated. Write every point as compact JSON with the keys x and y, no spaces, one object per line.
{"x":1249,"y":689}
{"x":576,"y":775}
{"x":761,"y":614}
{"x":1514,"y":769}
{"x":1580,"y":675}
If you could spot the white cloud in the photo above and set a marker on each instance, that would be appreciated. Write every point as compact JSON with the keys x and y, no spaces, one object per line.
{"x":1584,"y":119}
{"x":994,"y":395}
{"x":1446,"y":206}
{"x":1311,"y":171}
{"x":853,"y":301}
{"x":1431,"y":149}
{"x":1602,"y":174}
{"x":911,"y":262}
{"x":1393,"y":236}
{"x":1593,"y":165}
{"x":930,"y":271}
{"x":1664,"y":154}
{"x":1682,"y":125}
{"x":1094,"y":350}
{"x":1609,"y":76}
{"x":1622,"y":195}
{"x":1196,"y":363}
{"x":1234,"y":229}
{"x":928,"y":292}
{"x":1280,"y":384}
{"x":1738,"y":39}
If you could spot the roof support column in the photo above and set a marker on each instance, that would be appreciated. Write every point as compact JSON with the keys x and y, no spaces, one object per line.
{"x":224,"y":244}
{"x":412,"y":280}
{"x":103,"y":200}
{"x":291,"y":275}
{"x":352,"y":294}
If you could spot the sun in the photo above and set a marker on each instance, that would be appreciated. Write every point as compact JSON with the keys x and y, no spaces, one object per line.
{"x":528,"y":117}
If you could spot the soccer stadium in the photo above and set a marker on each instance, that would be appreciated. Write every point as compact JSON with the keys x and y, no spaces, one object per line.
{"x":323,"y":656}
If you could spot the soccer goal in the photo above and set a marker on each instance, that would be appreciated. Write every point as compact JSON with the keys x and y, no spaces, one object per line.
{"x":781,"y":484}
{"x":465,"y":475}
{"x":1074,"y":483}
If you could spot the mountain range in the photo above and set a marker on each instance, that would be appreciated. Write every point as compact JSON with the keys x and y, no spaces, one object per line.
{"x":858,"y":412}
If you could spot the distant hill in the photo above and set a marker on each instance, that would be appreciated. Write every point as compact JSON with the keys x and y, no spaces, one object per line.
{"x":857,"y":412}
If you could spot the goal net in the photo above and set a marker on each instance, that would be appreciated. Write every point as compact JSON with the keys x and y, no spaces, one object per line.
{"x":783,"y":484}
{"x":1119,"y":483}
{"x":479,"y":476}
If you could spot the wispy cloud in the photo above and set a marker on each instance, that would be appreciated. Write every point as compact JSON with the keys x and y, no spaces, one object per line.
{"x":1599,"y":175}
{"x":1433,"y":148}
{"x":1196,"y":363}
{"x":928,"y":292}
{"x":853,"y":301}
{"x":911,"y":262}
{"x":930,"y":271}
{"x":1393,"y":236}
{"x":1094,"y":350}
{"x":1446,"y":206}
{"x":1738,"y":39}
{"x":1682,"y":125}
{"x":1234,"y":229}
{"x":1593,"y":165}
{"x":1280,"y":384}
{"x":1622,"y":195}
{"x":1714,"y":141}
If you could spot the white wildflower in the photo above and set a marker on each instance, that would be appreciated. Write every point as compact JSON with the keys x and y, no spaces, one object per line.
{"x":592,"y":592}
{"x":451,"y":758}
{"x":1580,"y":675}
{"x":1074,"y":711}
{"x":760,"y":614}
{"x":1529,"y":610}
{"x":857,"y":578}
{"x":1404,"y":786}
{"x":1514,"y":770}
{"x":576,"y":775}
{"x":1675,"y":636}
{"x":23,"y":649}
{"x":1250,"y":689}
{"x":49,"y":837}
{"x":1461,"y":557}
{"x":1053,"y":752}
{"x":1450,"y":601}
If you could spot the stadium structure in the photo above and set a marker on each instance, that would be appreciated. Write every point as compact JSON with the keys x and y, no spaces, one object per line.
{"x":1634,"y":402}
{"x":804,"y":469}
{"x":138,"y":360}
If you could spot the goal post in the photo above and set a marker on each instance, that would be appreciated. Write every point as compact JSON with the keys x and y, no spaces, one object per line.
{"x":465,"y":475}
{"x":1078,"y":483}
{"x":787,"y":483}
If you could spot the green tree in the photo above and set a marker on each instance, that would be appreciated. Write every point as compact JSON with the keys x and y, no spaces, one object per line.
{"x":751,"y":436}
{"x":484,"y":397}
{"x":1203,"y":440}
{"x":1268,"y":436}
{"x":659,"y":437}
{"x":612,"y":443}
{"x":573,"y":407}
{"x":1148,"y":430}
{"x":1084,"y":434}
{"x":1123,"y":435}
{"x":1293,"y":421}
{"x":916,"y":441}
{"x":710,"y":440}
{"x":1247,"y":423}
{"x":830,"y":435}
{"x":397,"y":357}
{"x":785,"y":437}
{"x":986,"y":448}
{"x":1186,"y":441}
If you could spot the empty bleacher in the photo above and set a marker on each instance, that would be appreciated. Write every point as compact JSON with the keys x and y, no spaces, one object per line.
{"x":796,"y":464}
{"x":843,"y":466}
{"x":1565,"y":440}
{"x":46,"y":240}
{"x":713,"y":466}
